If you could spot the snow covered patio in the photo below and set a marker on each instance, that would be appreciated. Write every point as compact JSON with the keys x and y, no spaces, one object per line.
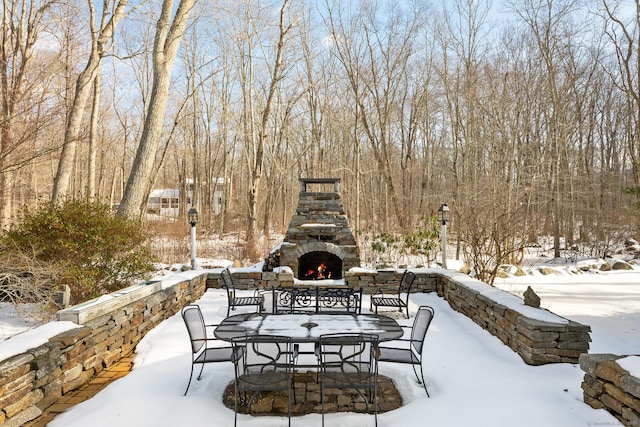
{"x":473,"y":378}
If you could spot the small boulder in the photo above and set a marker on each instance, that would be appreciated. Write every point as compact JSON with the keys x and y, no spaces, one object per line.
{"x":546,"y":271}
{"x":465,"y":269}
{"x":605,"y":267}
{"x":501,"y":274}
{"x":519,"y":272}
{"x":531,"y":298}
{"x":621,"y":265}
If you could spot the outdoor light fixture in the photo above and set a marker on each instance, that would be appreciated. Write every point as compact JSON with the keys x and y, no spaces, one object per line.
{"x":193,"y":220}
{"x":444,"y":215}
{"x":193,"y":217}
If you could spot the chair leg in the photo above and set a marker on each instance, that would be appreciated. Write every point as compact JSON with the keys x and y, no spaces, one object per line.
{"x":375,"y":402}
{"x":423,"y":382}
{"x":235,"y":408}
{"x":189,"y":383}
{"x":201,"y":369}
{"x":289,"y":404}
{"x":322,"y":401}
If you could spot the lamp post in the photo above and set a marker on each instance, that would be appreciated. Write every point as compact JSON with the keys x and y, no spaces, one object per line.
{"x":444,"y":214}
{"x":193,"y":220}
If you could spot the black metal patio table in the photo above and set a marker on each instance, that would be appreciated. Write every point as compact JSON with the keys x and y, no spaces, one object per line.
{"x":306,"y":328}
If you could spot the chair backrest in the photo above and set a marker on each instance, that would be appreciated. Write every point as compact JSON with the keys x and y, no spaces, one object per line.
{"x":338,"y":300}
{"x":194,"y":322}
{"x":262,"y":354}
{"x":420,"y":326}
{"x":226,"y":279}
{"x":349,"y":352}
{"x":406,"y":282}
{"x":317,"y":300}
{"x":301,"y":300}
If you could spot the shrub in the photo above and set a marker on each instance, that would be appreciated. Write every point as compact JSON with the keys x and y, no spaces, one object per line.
{"x":99,"y":251}
{"x":25,"y":280}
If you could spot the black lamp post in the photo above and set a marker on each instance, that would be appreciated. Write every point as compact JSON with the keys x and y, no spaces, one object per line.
{"x":444,"y":215}
{"x":193,"y":220}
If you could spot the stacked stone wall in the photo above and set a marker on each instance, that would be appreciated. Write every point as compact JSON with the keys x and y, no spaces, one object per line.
{"x":537,"y":342}
{"x":32,"y":381}
{"x":369,"y":280}
{"x":608,"y":386}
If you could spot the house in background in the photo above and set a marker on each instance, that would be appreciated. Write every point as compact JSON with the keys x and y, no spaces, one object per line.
{"x":166,"y":202}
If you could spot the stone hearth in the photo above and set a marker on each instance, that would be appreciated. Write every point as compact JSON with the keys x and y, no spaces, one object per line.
{"x":319,"y":243}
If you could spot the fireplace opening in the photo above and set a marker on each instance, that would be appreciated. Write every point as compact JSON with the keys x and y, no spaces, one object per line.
{"x":319,"y":266}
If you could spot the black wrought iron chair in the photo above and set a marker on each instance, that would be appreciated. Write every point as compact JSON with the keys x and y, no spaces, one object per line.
{"x":201,"y":352}
{"x":400,"y":296}
{"x":413,"y":353}
{"x":257,"y":299}
{"x":262,"y":363}
{"x":348,"y":361}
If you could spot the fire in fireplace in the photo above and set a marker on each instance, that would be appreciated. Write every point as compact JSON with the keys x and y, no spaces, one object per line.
{"x":319,"y":266}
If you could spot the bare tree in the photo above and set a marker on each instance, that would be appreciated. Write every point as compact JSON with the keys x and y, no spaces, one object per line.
{"x":377,"y":56}
{"x":256,"y":160}
{"x":548,"y":21}
{"x":169,"y":33}
{"x":21,"y":27}
{"x":100,"y":44}
{"x":625,"y":38}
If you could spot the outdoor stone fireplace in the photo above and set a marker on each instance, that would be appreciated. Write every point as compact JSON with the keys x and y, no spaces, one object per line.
{"x":319,"y":243}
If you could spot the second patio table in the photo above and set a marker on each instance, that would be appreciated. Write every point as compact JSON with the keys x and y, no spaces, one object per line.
{"x":304,"y":328}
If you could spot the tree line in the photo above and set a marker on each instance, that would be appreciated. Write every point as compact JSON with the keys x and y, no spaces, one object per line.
{"x":522,"y":115}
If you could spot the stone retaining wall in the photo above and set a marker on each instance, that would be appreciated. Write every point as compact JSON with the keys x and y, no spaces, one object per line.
{"x":538,"y":342}
{"x":34,"y":380}
{"x":368,"y":280}
{"x":608,"y":386}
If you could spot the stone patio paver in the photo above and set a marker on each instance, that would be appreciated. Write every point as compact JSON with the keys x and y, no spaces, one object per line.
{"x":86,"y":392}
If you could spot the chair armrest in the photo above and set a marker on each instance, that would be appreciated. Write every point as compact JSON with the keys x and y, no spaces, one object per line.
{"x":386,"y":290}
{"x":262,"y":292}
{"x":399,"y":340}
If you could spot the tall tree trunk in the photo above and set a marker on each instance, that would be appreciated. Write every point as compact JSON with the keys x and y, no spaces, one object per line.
{"x":22,"y":22}
{"x":168,"y":36}
{"x":256,"y":175}
{"x":84,"y":84}
{"x":93,"y":142}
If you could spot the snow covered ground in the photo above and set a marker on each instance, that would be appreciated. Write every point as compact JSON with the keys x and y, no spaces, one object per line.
{"x":473,"y":378}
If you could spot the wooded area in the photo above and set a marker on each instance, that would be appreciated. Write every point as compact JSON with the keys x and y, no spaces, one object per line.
{"x":522,"y":115}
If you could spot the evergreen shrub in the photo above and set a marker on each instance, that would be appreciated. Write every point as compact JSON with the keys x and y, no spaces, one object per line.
{"x":97,"y":251}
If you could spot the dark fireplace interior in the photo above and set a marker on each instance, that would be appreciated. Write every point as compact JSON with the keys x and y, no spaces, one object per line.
{"x":319,"y":265}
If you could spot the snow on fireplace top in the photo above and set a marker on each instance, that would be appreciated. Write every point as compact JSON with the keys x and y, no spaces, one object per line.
{"x":317,"y":225}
